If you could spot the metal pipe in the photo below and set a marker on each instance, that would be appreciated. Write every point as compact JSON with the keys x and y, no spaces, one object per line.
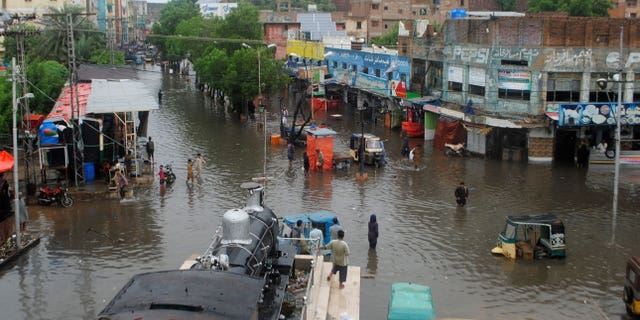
{"x":616,"y":174}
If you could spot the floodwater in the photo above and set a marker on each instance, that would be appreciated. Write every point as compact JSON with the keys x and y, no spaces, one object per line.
{"x":89,"y":251}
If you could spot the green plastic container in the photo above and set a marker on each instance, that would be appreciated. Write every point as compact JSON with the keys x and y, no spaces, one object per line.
{"x":410,"y":301}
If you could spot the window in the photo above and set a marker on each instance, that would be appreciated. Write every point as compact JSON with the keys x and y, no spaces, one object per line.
{"x":335,"y":65}
{"x":359,"y":25}
{"x":375,"y":23}
{"x":386,"y":8}
{"x":375,"y":6}
{"x":514,"y":84}
{"x":477,"y":81}
{"x":386,"y":26}
{"x":423,"y":11}
{"x":365,"y":70}
{"x":377,"y":72}
{"x":400,"y":11}
{"x":344,"y":65}
{"x":434,"y":76}
{"x":354,"y":68}
{"x":456,"y":76}
{"x":563,"y":87}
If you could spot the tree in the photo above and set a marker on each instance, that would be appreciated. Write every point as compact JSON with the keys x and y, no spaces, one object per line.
{"x":574,"y":8}
{"x":507,"y":5}
{"x":52,"y":42}
{"x":103,"y":56}
{"x":47,"y":80}
{"x":388,"y":39}
{"x":174,"y":12}
{"x":242,"y":23}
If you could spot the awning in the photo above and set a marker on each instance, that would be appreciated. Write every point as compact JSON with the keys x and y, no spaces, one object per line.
{"x":552,"y":115}
{"x":6,"y":161}
{"x":110,"y":96}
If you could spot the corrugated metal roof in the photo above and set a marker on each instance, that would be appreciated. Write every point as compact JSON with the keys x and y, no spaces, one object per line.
{"x":108,"y":96}
{"x":62,"y":108}
{"x":318,"y":25}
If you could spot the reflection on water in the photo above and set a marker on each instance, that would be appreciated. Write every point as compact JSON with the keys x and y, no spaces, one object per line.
{"x":90,"y":250}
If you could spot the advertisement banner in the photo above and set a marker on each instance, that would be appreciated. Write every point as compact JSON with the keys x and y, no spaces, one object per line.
{"x":597,"y":114}
{"x":371,"y":83}
{"x":514,"y":80}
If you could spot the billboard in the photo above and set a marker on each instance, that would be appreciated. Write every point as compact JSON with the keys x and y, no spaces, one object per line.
{"x":597,"y":114}
{"x":382,"y":73}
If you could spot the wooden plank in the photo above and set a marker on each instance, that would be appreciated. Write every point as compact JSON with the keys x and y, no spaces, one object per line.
{"x":314,"y":293}
{"x":347,"y":299}
{"x":187,"y":264}
{"x":317,"y":309}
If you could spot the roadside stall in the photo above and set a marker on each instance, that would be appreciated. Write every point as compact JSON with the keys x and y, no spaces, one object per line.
{"x":322,"y":140}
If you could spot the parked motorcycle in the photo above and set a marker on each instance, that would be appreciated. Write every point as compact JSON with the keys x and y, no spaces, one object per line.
{"x":170,"y":177}
{"x":58,"y":195}
{"x":456,"y":150}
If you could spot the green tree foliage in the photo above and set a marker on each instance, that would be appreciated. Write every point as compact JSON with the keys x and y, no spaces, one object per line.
{"x":388,"y":39}
{"x":215,"y":47}
{"x":172,"y":14}
{"x":6,"y":111}
{"x":507,"y":5}
{"x":47,"y":80}
{"x":574,"y":8}
{"x":242,"y":23}
{"x":103,"y":56}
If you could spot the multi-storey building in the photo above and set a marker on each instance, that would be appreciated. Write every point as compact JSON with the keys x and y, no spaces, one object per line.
{"x":527,"y":83}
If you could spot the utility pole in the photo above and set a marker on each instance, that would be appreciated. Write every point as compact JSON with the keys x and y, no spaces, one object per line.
{"x":78,"y":144}
{"x":19,"y":34}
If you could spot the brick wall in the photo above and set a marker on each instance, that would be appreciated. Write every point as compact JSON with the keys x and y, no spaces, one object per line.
{"x":540,"y":147}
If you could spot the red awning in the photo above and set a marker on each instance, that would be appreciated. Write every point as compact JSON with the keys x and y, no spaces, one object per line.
{"x":6,"y":161}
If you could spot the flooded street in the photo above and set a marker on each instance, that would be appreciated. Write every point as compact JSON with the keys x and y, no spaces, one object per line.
{"x":89,"y":251}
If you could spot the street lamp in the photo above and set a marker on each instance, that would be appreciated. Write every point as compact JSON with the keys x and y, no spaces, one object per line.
{"x":261,"y":108}
{"x":16,"y":200}
{"x":617,"y":64}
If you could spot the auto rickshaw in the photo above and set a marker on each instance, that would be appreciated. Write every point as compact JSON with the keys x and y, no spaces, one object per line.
{"x":373,"y":149}
{"x":631,"y":292}
{"x":531,"y":237}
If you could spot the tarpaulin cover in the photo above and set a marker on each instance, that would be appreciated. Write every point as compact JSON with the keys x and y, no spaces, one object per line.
{"x":449,"y":131}
{"x":62,"y":108}
{"x":6,"y":161}
{"x":320,"y":138}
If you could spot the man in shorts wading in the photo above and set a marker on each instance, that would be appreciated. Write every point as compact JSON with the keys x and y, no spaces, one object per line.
{"x":340,"y":253}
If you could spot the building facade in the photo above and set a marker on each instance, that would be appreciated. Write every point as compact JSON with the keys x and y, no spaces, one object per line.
{"x":519,"y":75}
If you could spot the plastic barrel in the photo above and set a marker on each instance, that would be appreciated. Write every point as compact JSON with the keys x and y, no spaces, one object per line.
{"x":89,"y":171}
{"x":275,"y":139}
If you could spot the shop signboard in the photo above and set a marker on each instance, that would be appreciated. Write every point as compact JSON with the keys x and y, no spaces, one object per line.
{"x":597,"y":114}
{"x":372,"y":83}
{"x":514,"y":80}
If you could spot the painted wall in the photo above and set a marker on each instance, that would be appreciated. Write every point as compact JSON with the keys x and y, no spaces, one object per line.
{"x":361,"y":70}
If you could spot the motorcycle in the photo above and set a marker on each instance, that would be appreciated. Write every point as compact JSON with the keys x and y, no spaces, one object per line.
{"x":58,"y":195}
{"x":458,"y":150}
{"x":170,"y":177}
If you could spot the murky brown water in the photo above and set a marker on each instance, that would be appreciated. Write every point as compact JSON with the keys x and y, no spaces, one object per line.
{"x":89,"y":251}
